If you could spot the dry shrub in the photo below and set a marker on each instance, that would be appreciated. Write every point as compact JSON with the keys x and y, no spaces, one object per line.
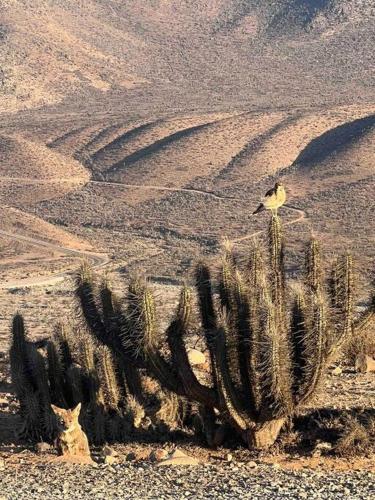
{"x":354,"y":440}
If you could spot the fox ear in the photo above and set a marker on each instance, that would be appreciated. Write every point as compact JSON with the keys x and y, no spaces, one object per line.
{"x":56,"y":409}
{"x":77,"y":410}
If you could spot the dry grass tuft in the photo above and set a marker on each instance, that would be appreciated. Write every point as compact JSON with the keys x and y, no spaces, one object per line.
{"x":354,"y":440}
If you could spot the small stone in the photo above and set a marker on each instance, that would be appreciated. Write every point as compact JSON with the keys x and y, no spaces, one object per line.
{"x":110,"y":459}
{"x":229,"y":457}
{"x":196,"y":357}
{"x":252,"y":465}
{"x":2,"y":464}
{"x":336,"y":371}
{"x":179,"y":458}
{"x":109,"y":452}
{"x":158,"y":455}
{"x":42,"y":447}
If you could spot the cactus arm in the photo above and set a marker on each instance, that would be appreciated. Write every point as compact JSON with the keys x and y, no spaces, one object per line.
{"x":86,"y":295}
{"x":56,"y":375}
{"x":246,"y":351}
{"x":276,"y":369}
{"x":313,"y":267}
{"x":343,"y":312}
{"x":276,"y":250}
{"x":315,"y":351}
{"x":297,"y":338}
{"x":109,"y":379}
{"x":144,"y":336}
{"x":230,"y":405}
{"x":207,"y":311}
{"x":23,"y":381}
{"x":175,"y":334}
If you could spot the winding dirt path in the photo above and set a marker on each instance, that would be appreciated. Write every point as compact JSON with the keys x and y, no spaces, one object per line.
{"x":162,"y":188}
{"x":99,"y":260}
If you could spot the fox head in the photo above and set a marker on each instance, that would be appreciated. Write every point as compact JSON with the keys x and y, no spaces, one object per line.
{"x":67,"y":418}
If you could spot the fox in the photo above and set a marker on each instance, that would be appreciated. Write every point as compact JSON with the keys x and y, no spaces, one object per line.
{"x":71,"y":441}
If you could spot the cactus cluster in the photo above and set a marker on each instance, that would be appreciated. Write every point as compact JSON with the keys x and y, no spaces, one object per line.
{"x":73,"y":368}
{"x":269,"y":343}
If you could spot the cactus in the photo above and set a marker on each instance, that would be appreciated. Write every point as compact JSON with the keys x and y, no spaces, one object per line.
{"x":268,"y":348}
{"x":29,"y":377}
{"x":56,"y":375}
{"x":102,"y":315}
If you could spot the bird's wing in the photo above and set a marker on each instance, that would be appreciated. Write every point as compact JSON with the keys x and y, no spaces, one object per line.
{"x":270,"y":193}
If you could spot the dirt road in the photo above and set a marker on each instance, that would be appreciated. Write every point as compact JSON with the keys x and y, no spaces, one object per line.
{"x":98,"y":260}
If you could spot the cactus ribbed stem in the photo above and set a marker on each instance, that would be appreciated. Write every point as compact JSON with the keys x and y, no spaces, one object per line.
{"x":108,"y":378}
{"x":315,"y":351}
{"x":56,"y":375}
{"x":276,"y":369}
{"x":230,"y":403}
{"x":298,"y":338}
{"x":313,"y":267}
{"x":175,"y":334}
{"x":276,"y":246}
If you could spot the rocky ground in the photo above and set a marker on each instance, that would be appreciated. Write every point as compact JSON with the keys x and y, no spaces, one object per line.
{"x":133,"y":470}
{"x":145,"y":480}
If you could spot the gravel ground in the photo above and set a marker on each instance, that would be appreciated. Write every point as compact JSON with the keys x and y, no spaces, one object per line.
{"x":133,"y":481}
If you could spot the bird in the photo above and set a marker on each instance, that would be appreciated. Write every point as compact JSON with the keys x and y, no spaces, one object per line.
{"x":273,"y":199}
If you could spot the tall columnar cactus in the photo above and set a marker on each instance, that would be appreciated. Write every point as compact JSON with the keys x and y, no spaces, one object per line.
{"x":30,"y":380}
{"x":73,"y":369}
{"x":269,"y":346}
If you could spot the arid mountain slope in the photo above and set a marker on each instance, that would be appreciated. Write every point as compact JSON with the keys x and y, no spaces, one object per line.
{"x":224,"y":49}
{"x":149,"y":130}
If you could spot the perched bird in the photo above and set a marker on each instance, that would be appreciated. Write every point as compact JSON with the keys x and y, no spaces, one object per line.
{"x":273,"y":199}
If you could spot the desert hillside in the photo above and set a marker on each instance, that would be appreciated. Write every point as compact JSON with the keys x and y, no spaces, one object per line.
{"x":137,"y":139}
{"x":148,"y":131}
{"x":236,"y":50}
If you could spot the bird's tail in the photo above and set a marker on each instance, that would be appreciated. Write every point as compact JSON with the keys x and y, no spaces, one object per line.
{"x":259,"y":209}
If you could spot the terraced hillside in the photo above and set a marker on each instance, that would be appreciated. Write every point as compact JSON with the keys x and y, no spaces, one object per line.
{"x":181,"y":184}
